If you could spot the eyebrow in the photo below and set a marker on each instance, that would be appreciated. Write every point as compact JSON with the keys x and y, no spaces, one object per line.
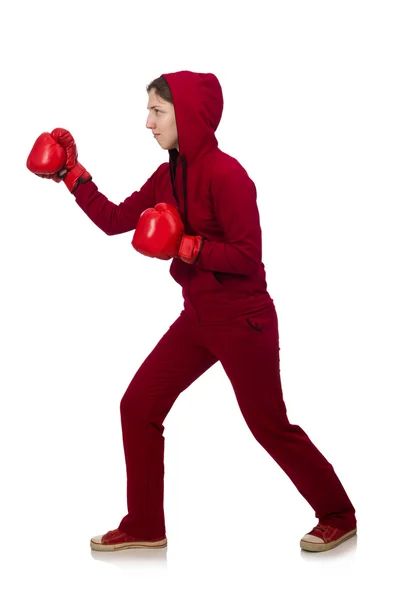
{"x":154,"y":106}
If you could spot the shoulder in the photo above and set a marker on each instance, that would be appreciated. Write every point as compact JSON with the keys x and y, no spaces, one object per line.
{"x":227,"y":170}
{"x":223,"y":162}
{"x":159,"y":174}
{"x":224,"y":165}
{"x":162,"y":169}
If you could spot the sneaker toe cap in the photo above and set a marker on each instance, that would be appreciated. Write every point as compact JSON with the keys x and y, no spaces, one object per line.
{"x":312,"y":538}
{"x":97,"y":539}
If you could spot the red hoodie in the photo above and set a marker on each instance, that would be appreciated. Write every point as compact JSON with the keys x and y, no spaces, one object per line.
{"x":216,"y":199}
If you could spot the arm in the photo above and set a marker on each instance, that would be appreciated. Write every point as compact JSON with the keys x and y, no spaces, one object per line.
{"x":112,"y":218}
{"x":54,"y":156}
{"x":109,"y":217}
{"x":234,"y":197}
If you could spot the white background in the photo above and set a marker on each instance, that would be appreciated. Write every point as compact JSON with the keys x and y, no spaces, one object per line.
{"x":310,"y":112}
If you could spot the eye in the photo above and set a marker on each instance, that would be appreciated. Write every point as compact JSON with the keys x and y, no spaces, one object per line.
{"x":156,"y":110}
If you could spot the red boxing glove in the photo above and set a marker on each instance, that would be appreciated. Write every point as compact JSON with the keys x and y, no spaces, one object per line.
{"x":54,"y":156}
{"x":75,"y":172}
{"x":46,"y":157}
{"x":159,"y":234}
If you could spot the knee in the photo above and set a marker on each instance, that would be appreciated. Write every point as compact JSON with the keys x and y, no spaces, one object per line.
{"x":132,"y":405}
{"x":135,"y":412}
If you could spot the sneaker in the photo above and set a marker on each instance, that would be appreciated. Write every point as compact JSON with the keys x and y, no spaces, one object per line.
{"x":325,"y":537}
{"x":118,"y":540}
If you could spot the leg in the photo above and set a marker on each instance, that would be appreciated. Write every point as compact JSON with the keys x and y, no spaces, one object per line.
{"x":176,"y":362}
{"x":249,"y":353}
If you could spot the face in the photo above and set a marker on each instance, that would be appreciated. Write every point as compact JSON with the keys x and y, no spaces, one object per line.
{"x":161,"y":120}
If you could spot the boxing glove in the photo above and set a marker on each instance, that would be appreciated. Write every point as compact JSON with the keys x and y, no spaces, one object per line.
{"x":75,"y":172}
{"x":160,"y":234}
{"x":46,"y":157}
{"x":54,"y":156}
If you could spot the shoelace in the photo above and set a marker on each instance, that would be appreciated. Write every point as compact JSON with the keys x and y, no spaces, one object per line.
{"x":320,"y":528}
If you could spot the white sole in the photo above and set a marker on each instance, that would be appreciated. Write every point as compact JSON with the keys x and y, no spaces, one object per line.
{"x":126,"y":545}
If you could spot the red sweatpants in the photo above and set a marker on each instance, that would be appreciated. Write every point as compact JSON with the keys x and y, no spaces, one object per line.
{"x":248,"y":349}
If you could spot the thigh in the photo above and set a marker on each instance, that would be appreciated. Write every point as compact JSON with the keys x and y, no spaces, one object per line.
{"x":174,"y":364}
{"x":249,"y":353}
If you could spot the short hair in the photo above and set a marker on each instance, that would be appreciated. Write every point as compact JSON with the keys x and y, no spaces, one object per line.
{"x":161,"y":87}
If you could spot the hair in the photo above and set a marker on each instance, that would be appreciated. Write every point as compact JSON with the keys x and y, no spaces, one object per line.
{"x":161,"y":87}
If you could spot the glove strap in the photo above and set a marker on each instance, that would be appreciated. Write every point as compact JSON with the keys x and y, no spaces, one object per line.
{"x":190,"y":248}
{"x":75,"y":176}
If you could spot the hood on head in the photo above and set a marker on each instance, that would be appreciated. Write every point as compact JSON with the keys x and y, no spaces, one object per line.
{"x":198,"y":105}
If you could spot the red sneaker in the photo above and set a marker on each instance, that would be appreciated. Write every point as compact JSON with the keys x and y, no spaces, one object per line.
{"x":118,"y":540}
{"x":324,"y":537}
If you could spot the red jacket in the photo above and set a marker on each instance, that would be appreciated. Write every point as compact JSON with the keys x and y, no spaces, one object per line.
{"x":216,"y":199}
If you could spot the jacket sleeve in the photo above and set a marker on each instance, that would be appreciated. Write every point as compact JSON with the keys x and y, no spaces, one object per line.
{"x":112,"y":218}
{"x":234,"y":198}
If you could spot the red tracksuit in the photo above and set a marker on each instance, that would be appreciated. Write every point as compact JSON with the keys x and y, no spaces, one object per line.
{"x":228,"y":315}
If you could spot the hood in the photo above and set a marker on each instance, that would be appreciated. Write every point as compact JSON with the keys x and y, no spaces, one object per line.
{"x":198,"y":105}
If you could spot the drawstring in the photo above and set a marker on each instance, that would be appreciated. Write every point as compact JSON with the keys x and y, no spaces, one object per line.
{"x":182,"y":160}
{"x":187,"y":229}
{"x":184,"y":169}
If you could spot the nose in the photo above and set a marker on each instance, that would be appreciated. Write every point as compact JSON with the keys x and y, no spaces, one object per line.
{"x":149,"y":124}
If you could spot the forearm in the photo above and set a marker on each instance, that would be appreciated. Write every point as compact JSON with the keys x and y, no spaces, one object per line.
{"x":109,"y":217}
{"x":54,"y":156}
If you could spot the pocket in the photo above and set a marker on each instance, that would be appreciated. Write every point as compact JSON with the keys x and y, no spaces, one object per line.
{"x":217,"y":277}
{"x":264,"y":320}
{"x":254,"y":324}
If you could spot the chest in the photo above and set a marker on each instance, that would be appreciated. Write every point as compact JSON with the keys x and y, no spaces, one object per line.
{"x":193,"y":199}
